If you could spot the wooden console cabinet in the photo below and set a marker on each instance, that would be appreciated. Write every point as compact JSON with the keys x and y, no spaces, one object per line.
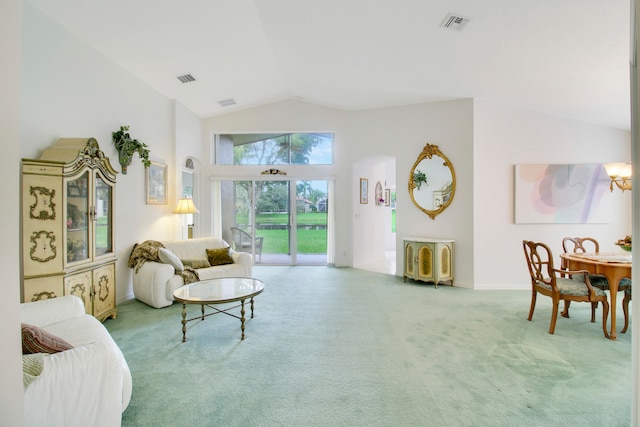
{"x":428,"y":260}
{"x":67,"y":226}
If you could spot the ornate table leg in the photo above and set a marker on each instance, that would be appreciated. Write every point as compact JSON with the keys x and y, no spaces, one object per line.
{"x":184,"y":322}
{"x":614,"y":280}
{"x":202,"y":311}
{"x":242,"y":319}
{"x":252,"y":307}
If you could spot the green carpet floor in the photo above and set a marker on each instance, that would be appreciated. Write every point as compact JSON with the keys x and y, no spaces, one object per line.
{"x":346,"y":347}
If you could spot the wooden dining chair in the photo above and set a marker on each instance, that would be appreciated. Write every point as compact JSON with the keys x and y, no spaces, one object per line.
{"x":549,"y":281}
{"x":591,"y":245}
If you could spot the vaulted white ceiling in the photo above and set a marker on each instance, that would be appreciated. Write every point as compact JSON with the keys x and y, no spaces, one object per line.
{"x":563,"y":57}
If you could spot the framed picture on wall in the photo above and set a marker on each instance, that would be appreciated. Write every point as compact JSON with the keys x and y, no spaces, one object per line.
{"x":379,"y":195}
{"x":156,"y":184}
{"x":561,"y":194}
{"x":364,"y":190}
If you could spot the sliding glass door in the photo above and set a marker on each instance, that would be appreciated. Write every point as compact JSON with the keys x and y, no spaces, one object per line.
{"x":280,"y":222}
{"x":272,"y":217}
{"x":311,"y":220}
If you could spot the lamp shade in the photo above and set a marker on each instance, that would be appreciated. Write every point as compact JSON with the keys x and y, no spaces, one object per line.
{"x":615,"y":170}
{"x":186,"y":206}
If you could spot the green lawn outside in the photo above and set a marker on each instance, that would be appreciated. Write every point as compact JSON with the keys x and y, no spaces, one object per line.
{"x":277,"y":241}
{"x":312,"y":218}
{"x":393,"y":220}
{"x":102,"y":233}
{"x":309,"y":241}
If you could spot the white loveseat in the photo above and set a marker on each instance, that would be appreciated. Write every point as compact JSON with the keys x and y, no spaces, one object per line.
{"x":154,"y":282}
{"x":88,"y":385}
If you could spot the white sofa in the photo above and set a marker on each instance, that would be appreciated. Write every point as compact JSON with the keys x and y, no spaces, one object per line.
{"x":154,"y":282}
{"x":88,"y":385}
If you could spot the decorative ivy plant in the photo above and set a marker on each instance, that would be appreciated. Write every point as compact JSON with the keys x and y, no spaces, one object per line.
{"x":128,"y":146}
{"x":419,"y":178}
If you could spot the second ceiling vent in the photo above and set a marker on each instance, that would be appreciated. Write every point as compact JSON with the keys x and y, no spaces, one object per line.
{"x":186,"y":78}
{"x":455,"y":21}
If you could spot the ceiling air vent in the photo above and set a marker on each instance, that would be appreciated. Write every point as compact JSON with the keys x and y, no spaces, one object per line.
{"x":227,"y":102}
{"x":454,"y":21}
{"x":186,"y":78}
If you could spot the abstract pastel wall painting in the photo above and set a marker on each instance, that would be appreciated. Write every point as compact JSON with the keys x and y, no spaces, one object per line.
{"x":561,"y":194}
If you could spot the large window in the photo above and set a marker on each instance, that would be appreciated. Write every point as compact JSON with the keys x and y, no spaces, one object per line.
{"x":274,"y":149}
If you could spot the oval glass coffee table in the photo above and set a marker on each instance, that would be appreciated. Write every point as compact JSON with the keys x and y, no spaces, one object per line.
{"x":218,"y":291}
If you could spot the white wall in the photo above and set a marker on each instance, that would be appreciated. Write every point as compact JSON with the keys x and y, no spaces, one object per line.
{"x":402,"y":133}
{"x":505,"y":136}
{"x":71,"y":90}
{"x":483,"y":141}
{"x":369,"y":220}
{"x":371,"y":137}
{"x":11,"y":401}
{"x":68,"y":89}
{"x":189,"y":142}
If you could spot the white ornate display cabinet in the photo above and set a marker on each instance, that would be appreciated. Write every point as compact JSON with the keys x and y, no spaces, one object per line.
{"x":428,"y":260}
{"x":68,"y":226}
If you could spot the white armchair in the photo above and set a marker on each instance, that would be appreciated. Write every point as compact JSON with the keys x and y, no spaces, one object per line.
{"x":88,"y":385}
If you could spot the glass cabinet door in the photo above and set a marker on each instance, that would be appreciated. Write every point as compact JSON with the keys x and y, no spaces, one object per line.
{"x":103,"y":217}
{"x":77,"y":218}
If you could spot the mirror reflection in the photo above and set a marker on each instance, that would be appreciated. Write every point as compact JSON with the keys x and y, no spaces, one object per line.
{"x":432,"y":181}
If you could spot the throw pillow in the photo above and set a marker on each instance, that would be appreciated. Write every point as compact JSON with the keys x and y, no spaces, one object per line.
{"x":219,"y":256}
{"x":37,"y":340}
{"x":168,"y":257}
{"x":32,"y":366}
{"x":196,"y":262}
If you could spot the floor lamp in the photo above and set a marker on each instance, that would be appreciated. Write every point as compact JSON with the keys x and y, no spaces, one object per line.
{"x":186,"y":207}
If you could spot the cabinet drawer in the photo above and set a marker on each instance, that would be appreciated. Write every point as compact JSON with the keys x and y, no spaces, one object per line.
{"x":42,"y":169}
{"x":40,"y":288}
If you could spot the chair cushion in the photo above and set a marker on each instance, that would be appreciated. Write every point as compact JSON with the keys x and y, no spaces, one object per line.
{"x":599,"y":281}
{"x":572,"y":287}
{"x":168,"y":257}
{"x":219,"y":256}
{"x":625,"y":284}
{"x":37,"y":340}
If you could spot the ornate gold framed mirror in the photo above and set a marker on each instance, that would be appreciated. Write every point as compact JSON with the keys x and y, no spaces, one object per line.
{"x":432,"y":181}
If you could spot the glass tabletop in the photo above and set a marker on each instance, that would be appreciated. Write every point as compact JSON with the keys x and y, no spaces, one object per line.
{"x":219,"y":290}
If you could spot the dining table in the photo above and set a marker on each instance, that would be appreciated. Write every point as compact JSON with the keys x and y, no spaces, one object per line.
{"x":614,"y":266}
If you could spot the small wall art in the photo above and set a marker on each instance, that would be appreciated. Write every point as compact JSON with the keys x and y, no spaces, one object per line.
{"x":364,"y":190}
{"x":156,"y":184}
{"x":379,"y":194}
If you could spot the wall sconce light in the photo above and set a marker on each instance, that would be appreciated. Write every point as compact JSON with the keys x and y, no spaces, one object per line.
{"x":620,"y":174}
{"x":186,"y":207}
